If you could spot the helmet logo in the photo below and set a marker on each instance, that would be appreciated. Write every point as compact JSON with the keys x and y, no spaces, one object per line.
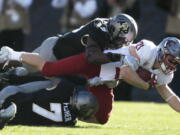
{"x":124,"y":28}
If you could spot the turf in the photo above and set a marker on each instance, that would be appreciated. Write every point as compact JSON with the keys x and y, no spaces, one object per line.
{"x":128,"y":118}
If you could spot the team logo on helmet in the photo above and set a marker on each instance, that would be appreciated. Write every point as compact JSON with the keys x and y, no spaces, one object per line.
{"x":124,"y":28}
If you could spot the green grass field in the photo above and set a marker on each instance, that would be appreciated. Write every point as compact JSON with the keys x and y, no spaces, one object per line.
{"x":128,"y":118}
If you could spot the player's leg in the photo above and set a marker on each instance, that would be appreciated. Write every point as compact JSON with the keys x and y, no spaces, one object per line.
{"x":105,"y":98}
{"x":7,"y":114}
{"x":45,"y":50}
{"x":26,"y":88}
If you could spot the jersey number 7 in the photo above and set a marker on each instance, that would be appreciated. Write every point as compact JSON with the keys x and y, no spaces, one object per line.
{"x":55,"y":113}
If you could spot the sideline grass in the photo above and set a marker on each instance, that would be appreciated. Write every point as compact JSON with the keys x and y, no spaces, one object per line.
{"x":128,"y":118}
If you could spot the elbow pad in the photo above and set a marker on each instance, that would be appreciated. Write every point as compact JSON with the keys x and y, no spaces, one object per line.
{"x":131,"y":62}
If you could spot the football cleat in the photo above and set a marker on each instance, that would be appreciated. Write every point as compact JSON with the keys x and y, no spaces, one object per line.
{"x":7,"y":114}
{"x":5,"y":53}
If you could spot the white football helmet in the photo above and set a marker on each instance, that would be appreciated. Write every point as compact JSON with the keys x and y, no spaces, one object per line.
{"x":169,"y":54}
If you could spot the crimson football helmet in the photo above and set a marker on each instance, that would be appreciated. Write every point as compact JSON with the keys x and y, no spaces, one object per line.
{"x":123,"y":30}
{"x":169,"y":54}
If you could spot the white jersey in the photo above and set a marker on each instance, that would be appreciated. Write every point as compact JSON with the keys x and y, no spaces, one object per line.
{"x":146,"y":52}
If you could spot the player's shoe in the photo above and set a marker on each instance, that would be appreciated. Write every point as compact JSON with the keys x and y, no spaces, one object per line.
{"x":7,"y":114}
{"x":5,"y":53}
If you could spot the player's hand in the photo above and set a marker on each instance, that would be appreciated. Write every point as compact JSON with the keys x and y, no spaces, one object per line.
{"x":5,"y":54}
{"x":153,"y":81}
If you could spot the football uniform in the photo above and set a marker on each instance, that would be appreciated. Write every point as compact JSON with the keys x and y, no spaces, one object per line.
{"x":45,"y":107}
{"x":74,"y":42}
{"x":146,"y":54}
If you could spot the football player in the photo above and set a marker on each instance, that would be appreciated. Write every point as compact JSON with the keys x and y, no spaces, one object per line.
{"x":59,"y":102}
{"x":93,"y":38}
{"x":160,"y":60}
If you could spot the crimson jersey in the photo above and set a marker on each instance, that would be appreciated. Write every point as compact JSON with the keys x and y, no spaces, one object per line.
{"x":78,"y":65}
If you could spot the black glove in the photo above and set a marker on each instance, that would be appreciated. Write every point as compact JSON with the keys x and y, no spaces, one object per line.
{"x":113,"y":56}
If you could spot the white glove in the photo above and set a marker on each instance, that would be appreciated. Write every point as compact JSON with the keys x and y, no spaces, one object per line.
{"x":7,"y":54}
{"x":111,"y":84}
{"x":96,"y":81}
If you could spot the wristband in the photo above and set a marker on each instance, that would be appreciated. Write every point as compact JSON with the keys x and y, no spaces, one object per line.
{"x":169,"y":98}
{"x":153,"y":81}
{"x":113,"y":56}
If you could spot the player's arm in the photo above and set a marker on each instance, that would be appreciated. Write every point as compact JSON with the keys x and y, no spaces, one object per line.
{"x":128,"y":72}
{"x":95,"y":55}
{"x":132,"y":78}
{"x":169,"y":96}
{"x":132,"y":63}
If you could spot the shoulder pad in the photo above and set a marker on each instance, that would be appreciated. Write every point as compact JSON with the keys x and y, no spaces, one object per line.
{"x":148,"y":43}
{"x":144,"y":50}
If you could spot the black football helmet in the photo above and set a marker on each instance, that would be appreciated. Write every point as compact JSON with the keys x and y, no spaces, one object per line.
{"x":83,"y":103}
{"x":123,"y":30}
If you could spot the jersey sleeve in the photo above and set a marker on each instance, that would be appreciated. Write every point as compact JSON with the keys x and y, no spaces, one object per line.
{"x":122,"y":51}
{"x":163,"y":79}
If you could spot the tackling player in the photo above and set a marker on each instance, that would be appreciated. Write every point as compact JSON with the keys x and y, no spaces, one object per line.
{"x":59,"y":102}
{"x":92,"y":38}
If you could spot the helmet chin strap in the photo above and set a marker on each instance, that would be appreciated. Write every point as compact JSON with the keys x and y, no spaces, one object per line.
{"x":161,"y":63}
{"x":163,"y":67}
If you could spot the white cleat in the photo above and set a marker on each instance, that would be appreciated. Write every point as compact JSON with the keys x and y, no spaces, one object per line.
{"x":5,"y":54}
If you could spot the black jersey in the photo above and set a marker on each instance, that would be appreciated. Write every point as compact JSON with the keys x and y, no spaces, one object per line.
{"x":45,"y":107}
{"x":74,"y":42}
